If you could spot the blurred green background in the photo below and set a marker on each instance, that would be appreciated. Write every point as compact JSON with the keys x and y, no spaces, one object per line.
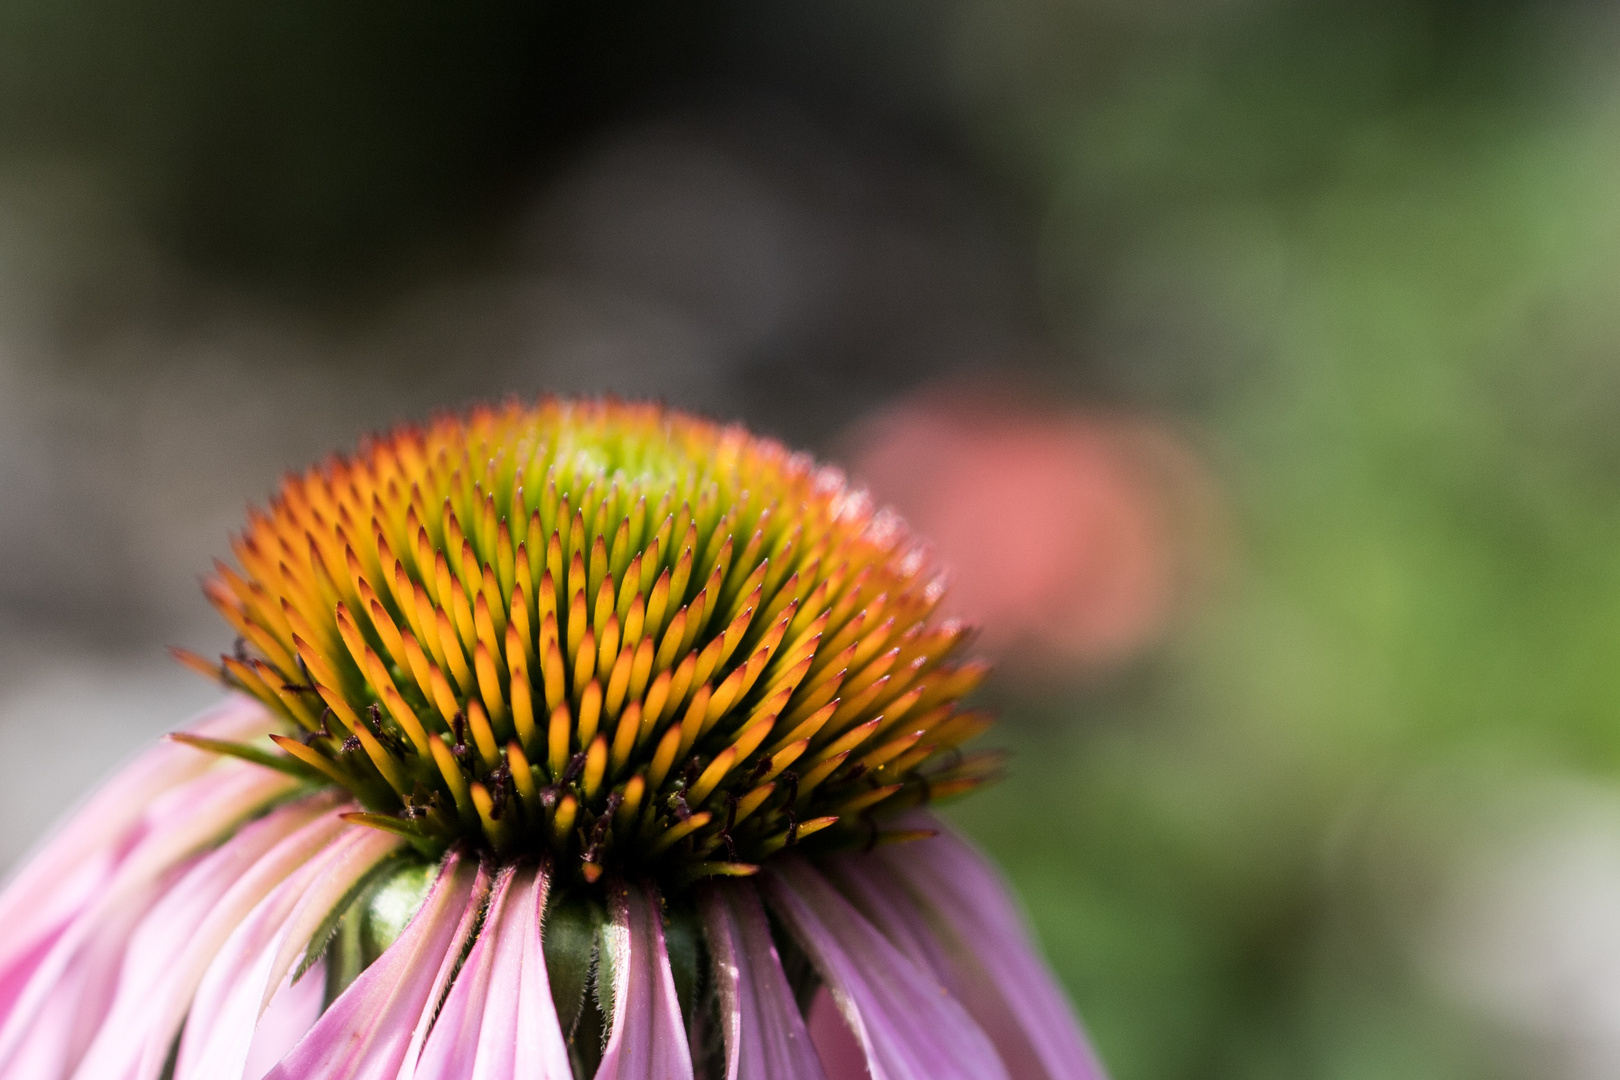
{"x":1355,"y":817}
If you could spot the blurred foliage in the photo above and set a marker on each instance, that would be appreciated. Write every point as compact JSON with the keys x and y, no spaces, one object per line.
{"x":303,"y":146}
{"x":300,"y":142}
{"x":1372,"y":248}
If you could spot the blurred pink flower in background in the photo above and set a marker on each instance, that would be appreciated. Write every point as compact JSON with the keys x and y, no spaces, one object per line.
{"x":1072,"y":537}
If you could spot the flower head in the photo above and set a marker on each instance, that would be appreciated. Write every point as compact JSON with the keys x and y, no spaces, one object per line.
{"x":625,"y":637}
{"x":581,"y":739}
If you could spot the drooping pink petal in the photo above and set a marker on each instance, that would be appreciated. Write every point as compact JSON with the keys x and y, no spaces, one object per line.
{"x":50,"y":873}
{"x":840,"y":1052}
{"x":439,"y":989}
{"x":292,"y":1012}
{"x":452,"y":1047}
{"x":117,"y":906}
{"x":498,"y":1022}
{"x":648,"y":1038}
{"x":249,"y":968}
{"x":765,"y":1035}
{"x":15,"y":975}
{"x":123,"y":839}
{"x":910,"y":1027}
{"x":176,"y":942}
{"x":541,"y":1052}
{"x":867,"y":883}
{"x":959,"y":896}
{"x":366,"y":1032}
{"x":64,"y":1022}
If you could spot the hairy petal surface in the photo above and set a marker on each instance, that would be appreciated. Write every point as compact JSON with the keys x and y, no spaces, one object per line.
{"x":765,"y":1034}
{"x":648,"y":1038}
{"x":463,"y":937}
{"x":540,"y":1052}
{"x":366,"y":1032}
{"x":954,"y":892}
{"x":453,"y":1046}
{"x":909,"y":1026}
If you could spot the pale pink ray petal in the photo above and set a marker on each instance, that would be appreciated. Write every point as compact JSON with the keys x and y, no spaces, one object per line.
{"x":540,"y":1052}
{"x":291,"y":1013}
{"x":482,"y":1032}
{"x":63,"y":868}
{"x":909,"y":1026}
{"x":648,"y":1038}
{"x":37,"y":912}
{"x":15,"y":975}
{"x":363,"y":850}
{"x":956,"y":893}
{"x":197,"y":815}
{"x":139,"y":882}
{"x":244,"y":974}
{"x":452,"y":1046}
{"x":32,"y":932}
{"x":840,"y":1052}
{"x":365,"y":1033}
{"x":766,"y":1037}
{"x":116,"y":805}
{"x":439,"y":989}
{"x":868,"y":885}
{"x":48,"y":1046}
{"x":174,"y":944}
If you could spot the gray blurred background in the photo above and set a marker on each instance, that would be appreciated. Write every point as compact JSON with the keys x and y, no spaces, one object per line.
{"x":1303,"y":314}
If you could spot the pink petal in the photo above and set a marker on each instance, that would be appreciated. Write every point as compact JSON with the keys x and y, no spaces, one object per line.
{"x":176,"y":942}
{"x":249,"y":968}
{"x":362,"y":850}
{"x":949,"y":887}
{"x":498,"y":1021}
{"x":452,"y":1047}
{"x":443,"y":978}
{"x":541,"y":1052}
{"x":292,"y":1012}
{"x":840,"y":1052}
{"x":133,"y":815}
{"x":867,"y":884}
{"x":104,"y":924}
{"x":766,"y":1038}
{"x":366,"y":1032}
{"x":910,"y":1027}
{"x":648,"y":1038}
{"x":65,"y":1020}
{"x":15,"y":975}
{"x":101,"y":820}
{"x":197,"y":815}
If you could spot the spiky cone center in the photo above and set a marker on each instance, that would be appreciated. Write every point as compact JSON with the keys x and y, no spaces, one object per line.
{"x":622,"y":636}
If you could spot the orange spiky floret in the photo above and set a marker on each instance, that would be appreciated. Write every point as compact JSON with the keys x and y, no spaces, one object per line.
{"x":619,"y":633}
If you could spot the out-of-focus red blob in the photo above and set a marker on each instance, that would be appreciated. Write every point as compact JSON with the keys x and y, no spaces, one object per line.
{"x":1071,"y":537}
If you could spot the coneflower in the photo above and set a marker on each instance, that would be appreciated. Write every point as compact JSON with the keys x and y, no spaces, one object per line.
{"x":572,"y":740}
